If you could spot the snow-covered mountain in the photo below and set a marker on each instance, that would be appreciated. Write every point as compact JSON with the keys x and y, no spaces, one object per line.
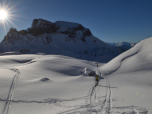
{"x":48,"y":37}
{"x":124,"y":46}
{"x":59,"y":83}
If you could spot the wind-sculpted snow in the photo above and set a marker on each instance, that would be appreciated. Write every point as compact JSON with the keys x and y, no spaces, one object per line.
{"x":136,"y":59}
{"x":55,"y":84}
{"x":13,"y":62}
{"x":131,"y":73}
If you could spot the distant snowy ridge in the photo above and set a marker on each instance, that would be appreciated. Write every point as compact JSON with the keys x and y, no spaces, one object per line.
{"x":122,"y":45}
{"x":67,"y":36}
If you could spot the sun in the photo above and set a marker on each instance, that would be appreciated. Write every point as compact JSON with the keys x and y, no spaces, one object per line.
{"x":3,"y":14}
{"x":8,"y":13}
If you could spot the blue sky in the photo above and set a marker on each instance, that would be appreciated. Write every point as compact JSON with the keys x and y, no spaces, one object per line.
{"x":109,"y":20}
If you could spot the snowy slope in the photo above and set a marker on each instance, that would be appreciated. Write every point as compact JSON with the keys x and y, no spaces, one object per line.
{"x":139,"y":58}
{"x":131,"y":73}
{"x":44,"y":84}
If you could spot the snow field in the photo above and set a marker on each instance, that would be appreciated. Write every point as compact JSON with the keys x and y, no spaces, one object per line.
{"x":68,"y":87}
{"x":59,"y":84}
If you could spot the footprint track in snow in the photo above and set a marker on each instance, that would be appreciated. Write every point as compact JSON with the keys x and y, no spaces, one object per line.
{"x":11,"y":92}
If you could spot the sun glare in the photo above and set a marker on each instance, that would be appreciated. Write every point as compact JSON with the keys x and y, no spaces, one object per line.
{"x":3,"y":14}
{"x":8,"y":13}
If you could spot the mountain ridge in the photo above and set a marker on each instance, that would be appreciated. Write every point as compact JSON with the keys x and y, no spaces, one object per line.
{"x":43,"y":36}
{"x":123,"y":45}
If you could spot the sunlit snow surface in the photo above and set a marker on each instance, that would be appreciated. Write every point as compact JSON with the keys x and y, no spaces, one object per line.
{"x":57,"y":84}
{"x":131,"y":72}
{"x":68,"y":86}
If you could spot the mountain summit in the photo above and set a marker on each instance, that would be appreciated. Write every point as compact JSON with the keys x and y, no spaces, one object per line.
{"x":47,"y":37}
{"x":41,"y":27}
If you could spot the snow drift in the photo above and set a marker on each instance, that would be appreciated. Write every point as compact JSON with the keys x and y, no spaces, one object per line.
{"x":131,"y":73}
{"x":138,"y":58}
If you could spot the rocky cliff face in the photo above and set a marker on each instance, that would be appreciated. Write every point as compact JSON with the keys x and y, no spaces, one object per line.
{"x":41,"y":27}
